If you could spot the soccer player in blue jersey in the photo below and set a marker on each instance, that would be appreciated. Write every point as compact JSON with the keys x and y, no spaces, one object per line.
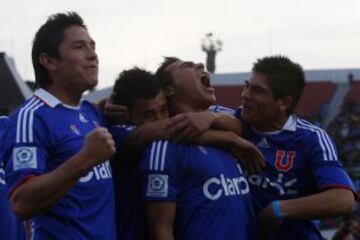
{"x":141,"y":93}
{"x":193,"y":191}
{"x":10,"y":228}
{"x":303,"y":179}
{"x":56,"y":150}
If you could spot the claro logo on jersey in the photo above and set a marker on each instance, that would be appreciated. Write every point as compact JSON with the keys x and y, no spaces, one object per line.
{"x":216,"y":187}
{"x":284,"y":161}
{"x":101,"y":171}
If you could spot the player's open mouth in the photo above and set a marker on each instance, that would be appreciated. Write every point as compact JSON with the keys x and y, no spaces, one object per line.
{"x":205,"y":80}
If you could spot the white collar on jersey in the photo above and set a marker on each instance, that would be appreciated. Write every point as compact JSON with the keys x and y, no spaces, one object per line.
{"x":290,"y":125}
{"x":50,"y":99}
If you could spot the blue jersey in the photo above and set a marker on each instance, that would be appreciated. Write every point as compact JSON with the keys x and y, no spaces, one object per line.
{"x":131,"y":221}
{"x":11,"y":228}
{"x":43,"y":134}
{"x":212,"y":196}
{"x":130,"y":218}
{"x":301,"y":160}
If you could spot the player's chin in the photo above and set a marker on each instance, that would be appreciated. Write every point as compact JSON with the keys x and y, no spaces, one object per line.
{"x":92,"y":82}
{"x":210,"y":102}
{"x":211,"y":98}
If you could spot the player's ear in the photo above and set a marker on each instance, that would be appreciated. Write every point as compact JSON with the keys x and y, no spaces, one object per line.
{"x":48,"y":62}
{"x":169,"y":91}
{"x":285,"y":103}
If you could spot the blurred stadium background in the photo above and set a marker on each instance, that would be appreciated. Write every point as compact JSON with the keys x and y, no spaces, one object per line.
{"x":331,"y":100}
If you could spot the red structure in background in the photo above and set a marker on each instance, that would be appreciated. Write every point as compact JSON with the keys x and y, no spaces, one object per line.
{"x":228,"y":96}
{"x":315,"y":95}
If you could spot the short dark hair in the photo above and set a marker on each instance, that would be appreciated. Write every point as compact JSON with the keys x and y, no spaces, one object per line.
{"x":285,"y":77}
{"x":134,"y":84}
{"x":165,"y":76}
{"x":48,"y":39}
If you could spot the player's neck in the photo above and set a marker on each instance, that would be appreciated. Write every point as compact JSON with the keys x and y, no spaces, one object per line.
{"x":271,"y":125}
{"x":179,"y":107}
{"x":67,"y":96}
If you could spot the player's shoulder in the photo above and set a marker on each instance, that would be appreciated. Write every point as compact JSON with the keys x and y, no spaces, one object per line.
{"x":30,"y":109}
{"x":161,"y":149}
{"x":221,"y":109}
{"x":160,"y":155}
{"x":309,"y":130}
{"x":92,"y":109}
{"x":3,"y":121}
{"x":87,"y":104}
{"x":89,"y":107}
{"x":162,"y":146}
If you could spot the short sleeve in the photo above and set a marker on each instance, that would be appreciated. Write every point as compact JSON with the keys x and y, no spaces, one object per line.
{"x":26,"y":148}
{"x":325,"y":165}
{"x":160,"y":172}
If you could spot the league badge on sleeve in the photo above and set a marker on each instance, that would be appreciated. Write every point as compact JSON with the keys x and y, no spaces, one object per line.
{"x":24,"y":158}
{"x":157,"y":185}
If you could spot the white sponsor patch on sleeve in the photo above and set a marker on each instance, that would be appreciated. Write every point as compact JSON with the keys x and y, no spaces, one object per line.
{"x":157,"y":185}
{"x":24,"y":158}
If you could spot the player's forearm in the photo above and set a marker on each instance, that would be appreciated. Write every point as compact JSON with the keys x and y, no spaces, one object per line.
{"x":161,"y":217}
{"x":162,"y":233}
{"x":227,"y":122}
{"x":330,"y":203}
{"x":145,"y":134}
{"x":40,"y":193}
{"x":216,"y":137}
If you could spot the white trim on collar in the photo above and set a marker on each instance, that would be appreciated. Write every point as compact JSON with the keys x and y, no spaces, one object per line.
{"x":47,"y":97}
{"x":51,"y":100}
{"x":290,"y":124}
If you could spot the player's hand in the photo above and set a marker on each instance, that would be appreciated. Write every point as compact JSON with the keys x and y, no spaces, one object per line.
{"x":268,"y":223}
{"x":186,"y":127}
{"x":99,"y":146}
{"x":114,"y":112}
{"x":248,"y":154}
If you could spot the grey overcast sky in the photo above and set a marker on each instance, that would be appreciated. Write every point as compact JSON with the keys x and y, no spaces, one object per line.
{"x":316,"y":33}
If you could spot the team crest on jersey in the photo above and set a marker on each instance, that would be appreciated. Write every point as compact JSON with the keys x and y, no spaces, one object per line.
{"x":82,"y":118}
{"x":157,"y":185}
{"x":24,"y":157}
{"x":284,"y":160}
{"x":74,"y":129}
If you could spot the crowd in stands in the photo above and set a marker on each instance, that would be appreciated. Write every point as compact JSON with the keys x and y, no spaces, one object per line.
{"x":345,"y":131}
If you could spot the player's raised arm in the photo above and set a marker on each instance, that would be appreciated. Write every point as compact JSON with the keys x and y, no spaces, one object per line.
{"x":39,"y":193}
